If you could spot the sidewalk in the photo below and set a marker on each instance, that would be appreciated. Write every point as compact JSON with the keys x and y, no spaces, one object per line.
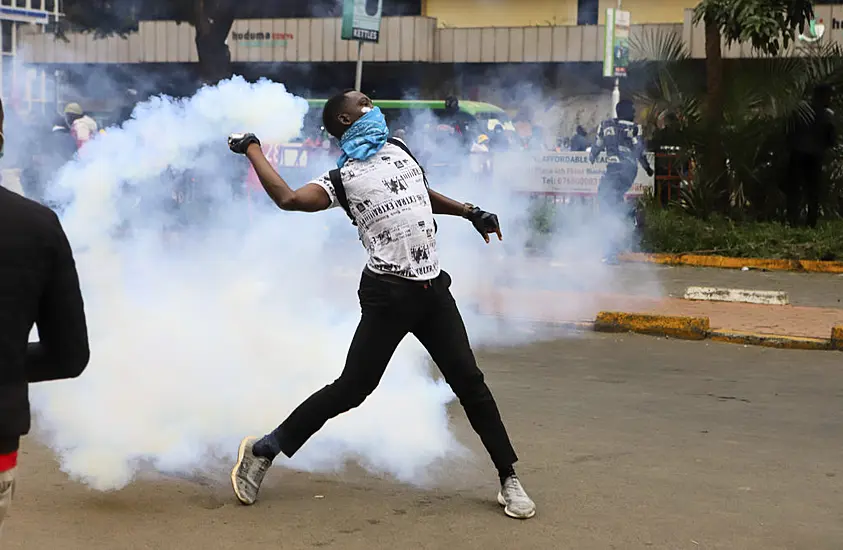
{"x":565,"y":307}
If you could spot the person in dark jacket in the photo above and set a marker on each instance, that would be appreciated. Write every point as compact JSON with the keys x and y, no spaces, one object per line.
{"x":39,"y":286}
{"x":622,"y":141}
{"x":579,"y":142}
{"x":462,"y":122}
{"x":49,"y":152}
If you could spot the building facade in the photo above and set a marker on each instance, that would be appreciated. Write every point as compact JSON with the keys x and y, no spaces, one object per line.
{"x":429,"y":47}
{"x":407,"y":39}
{"x":537,"y":13}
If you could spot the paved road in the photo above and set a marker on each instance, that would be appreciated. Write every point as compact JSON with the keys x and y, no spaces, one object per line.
{"x":805,"y":289}
{"x":626,"y":441}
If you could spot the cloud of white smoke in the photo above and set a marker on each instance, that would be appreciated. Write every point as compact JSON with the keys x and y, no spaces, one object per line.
{"x":199,"y":341}
{"x":204,"y":333}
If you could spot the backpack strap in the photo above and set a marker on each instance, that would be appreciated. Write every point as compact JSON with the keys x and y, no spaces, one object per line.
{"x":339,"y":190}
{"x":403,"y":146}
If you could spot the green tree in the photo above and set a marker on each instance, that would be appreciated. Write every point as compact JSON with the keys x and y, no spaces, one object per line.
{"x":212,"y":20}
{"x":768,"y":25}
{"x":756,"y":120}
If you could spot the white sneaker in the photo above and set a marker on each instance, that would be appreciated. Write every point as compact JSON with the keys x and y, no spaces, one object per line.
{"x":248,"y":473}
{"x":515,"y":501}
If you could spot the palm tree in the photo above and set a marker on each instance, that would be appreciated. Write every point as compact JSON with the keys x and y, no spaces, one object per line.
{"x":753,"y":120}
{"x":768,"y":25}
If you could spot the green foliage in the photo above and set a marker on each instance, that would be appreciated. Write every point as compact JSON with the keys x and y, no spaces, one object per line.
{"x":672,"y":230}
{"x":120,"y":17}
{"x":756,"y":116}
{"x":101,"y":17}
{"x":542,"y":216}
{"x":212,"y":20}
{"x":768,"y":25}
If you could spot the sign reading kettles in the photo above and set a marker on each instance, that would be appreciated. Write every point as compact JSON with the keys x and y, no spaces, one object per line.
{"x":361,"y":20}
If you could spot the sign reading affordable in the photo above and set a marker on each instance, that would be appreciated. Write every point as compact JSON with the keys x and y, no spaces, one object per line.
{"x":616,"y":47}
{"x":361,"y":20}
{"x":560,"y":174}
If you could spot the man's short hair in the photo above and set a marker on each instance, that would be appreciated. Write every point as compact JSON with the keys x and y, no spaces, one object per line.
{"x":331,"y":112}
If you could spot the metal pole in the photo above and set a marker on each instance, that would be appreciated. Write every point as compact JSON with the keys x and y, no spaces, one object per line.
{"x":358,"y":79}
{"x":616,"y":93}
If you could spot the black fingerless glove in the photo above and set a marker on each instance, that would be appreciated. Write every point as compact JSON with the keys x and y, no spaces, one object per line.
{"x":484,"y":222}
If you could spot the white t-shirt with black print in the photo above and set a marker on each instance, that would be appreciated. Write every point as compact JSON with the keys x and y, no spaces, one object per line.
{"x":389,"y":201}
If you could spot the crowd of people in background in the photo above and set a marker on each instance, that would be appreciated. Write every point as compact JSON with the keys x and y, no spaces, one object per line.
{"x":440,"y":139}
{"x":51,"y":144}
{"x":452,"y":131}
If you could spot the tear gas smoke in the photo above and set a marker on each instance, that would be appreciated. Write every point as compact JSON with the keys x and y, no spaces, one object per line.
{"x":220,"y":332}
{"x":199,"y":342}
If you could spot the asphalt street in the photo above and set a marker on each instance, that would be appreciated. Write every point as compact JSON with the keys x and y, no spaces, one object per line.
{"x":626,"y":442}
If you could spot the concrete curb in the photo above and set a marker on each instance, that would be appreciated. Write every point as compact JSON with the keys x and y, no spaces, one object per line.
{"x":837,"y":338}
{"x":698,"y":328}
{"x":685,"y":328}
{"x":693,"y":328}
{"x":725,"y":262}
{"x":769,"y":340}
{"x":763,"y":297}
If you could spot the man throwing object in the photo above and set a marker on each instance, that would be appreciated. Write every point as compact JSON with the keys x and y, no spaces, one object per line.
{"x":402,"y":289}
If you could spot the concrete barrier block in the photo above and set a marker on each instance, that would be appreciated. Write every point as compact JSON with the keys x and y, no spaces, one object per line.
{"x":711,"y":294}
{"x":685,"y":328}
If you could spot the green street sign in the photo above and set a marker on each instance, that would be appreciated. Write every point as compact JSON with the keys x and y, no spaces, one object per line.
{"x":616,"y":47}
{"x":361,"y":20}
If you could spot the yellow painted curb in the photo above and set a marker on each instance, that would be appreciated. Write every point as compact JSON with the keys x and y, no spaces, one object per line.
{"x":837,"y":338}
{"x":726,"y":262}
{"x":686,"y":328}
{"x":770,"y":340}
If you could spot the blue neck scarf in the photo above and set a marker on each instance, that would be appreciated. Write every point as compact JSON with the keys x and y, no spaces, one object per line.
{"x":364,"y":138}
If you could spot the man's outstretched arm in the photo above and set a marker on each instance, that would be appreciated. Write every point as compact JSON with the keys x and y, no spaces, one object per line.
{"x":484,"y":222}
{"x":446,"y":205}
{"x":310,"y":198}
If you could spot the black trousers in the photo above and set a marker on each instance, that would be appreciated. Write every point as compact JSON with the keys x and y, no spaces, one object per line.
{"x":614,"y":185}
{"x":392,"y":308}
{"x":804,"y":173}
{"x":611,"y":198}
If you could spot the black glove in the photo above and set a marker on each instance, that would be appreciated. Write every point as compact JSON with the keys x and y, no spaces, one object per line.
{"x":240,"y":142}
{"x":484,"y":222}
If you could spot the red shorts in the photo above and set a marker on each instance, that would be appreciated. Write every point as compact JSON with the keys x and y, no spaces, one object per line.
{"x":9,"y":461}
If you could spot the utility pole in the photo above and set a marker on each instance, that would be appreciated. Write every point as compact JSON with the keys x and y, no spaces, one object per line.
{"x":616,"y":93}
{"x":358,"y":79}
